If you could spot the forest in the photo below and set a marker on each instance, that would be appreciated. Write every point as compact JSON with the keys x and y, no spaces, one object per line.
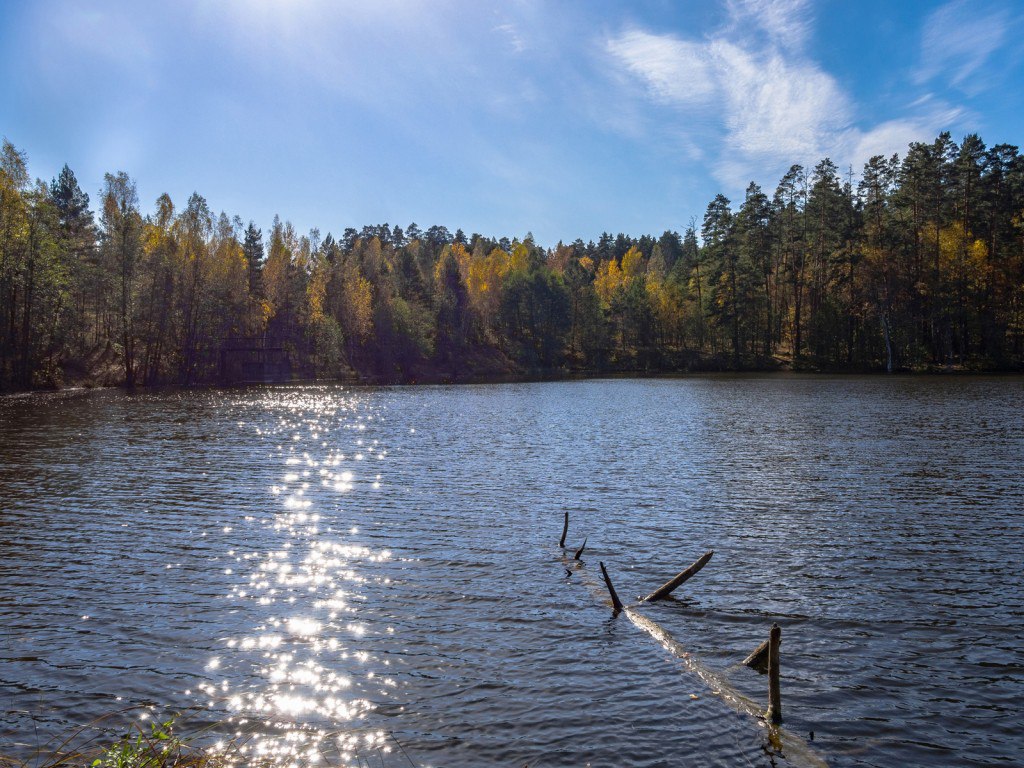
{"x":917,"y":264}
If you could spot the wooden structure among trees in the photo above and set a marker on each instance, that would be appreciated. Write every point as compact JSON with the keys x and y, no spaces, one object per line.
{"x":254,"y":360}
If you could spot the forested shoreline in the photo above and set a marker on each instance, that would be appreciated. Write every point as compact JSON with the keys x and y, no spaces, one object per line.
{"x":916,"y":263}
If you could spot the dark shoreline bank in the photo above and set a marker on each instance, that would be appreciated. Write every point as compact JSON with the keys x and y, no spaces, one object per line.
{"x":438,"y":379}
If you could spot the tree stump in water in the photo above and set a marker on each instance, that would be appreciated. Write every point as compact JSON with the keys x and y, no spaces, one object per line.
{"x":616,"y":603}
{"x":774,"y":713}
{"x":579,"y":552}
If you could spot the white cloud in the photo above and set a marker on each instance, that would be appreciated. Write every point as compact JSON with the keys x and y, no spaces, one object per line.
{"x":767,"y":102}
{"x":787,"y":23}
{"x":774,"y":104}
{"x":514,"y":38}
{"x":894,"y":136}
{"x":676,"y":71}
{"x":958,"y":39}
{"x":775,"y":107}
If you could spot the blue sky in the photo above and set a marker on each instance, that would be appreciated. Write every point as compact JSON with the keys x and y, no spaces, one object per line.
{"x":561,"y":118}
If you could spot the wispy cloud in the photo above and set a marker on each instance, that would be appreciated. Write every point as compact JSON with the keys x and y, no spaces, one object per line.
{"x":958,"y":39}
{"x":676,"y":71}
{"x":514,"y":38}
{"x":773,"y":102}
{"x":777,"y":107}
{"x":769,"y":102}
{"x":786,"y":23}
{"x":857,"y":146}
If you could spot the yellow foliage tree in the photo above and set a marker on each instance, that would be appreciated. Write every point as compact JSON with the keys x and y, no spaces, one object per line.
{"x":279,"y":261}
{"x":357,"y":308}
{"x":229,"y":273}
{"x":667,"y":303}
{"x":316,"y":288}
{"x":608,"y":280}
{"x":632,"y":263}
{"x":963,"y":260}
{"x":462,"y":258}
{"x":520,"y":259}
{"x":483,"y":283}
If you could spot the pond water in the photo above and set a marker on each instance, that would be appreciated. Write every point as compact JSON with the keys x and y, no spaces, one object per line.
{"x":371,"y":576}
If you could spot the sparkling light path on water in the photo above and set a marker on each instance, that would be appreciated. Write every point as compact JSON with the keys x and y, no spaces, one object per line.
{"x":318,"y":677}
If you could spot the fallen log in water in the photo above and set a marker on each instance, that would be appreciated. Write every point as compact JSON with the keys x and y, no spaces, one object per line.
{"x":579,"y":552}
{"x":668,"y":587}
{"x":616,"y":603}
{"x":782,"y":743}
{"x":758,"y":659}
{"x":565,"y":530}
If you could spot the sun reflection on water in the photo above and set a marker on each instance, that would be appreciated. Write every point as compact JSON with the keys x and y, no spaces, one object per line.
{"x":306,"y":674}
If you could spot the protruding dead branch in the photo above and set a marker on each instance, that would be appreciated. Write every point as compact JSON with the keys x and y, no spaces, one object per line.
{"x":774,"y":713}
{"x":667,"y":588}
{"x":616,"y":603}
{"x":758,"y":659}
{"x":579,"y":552}
{"x":565,"y":530}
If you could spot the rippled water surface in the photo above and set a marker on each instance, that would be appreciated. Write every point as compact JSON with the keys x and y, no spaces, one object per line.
{"x":373,"y":577}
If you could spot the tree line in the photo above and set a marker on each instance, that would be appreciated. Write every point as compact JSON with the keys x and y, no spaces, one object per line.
{"x":918,"y":263}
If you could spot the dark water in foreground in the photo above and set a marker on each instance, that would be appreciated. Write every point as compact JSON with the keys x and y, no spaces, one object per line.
{"x":350,"y":570}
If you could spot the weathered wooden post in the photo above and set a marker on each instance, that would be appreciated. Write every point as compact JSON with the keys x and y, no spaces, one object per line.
{"x":667,"y":588}
{"x":774,"y":713}
{"x":565,"y":530}
{"x":616,"y":603}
